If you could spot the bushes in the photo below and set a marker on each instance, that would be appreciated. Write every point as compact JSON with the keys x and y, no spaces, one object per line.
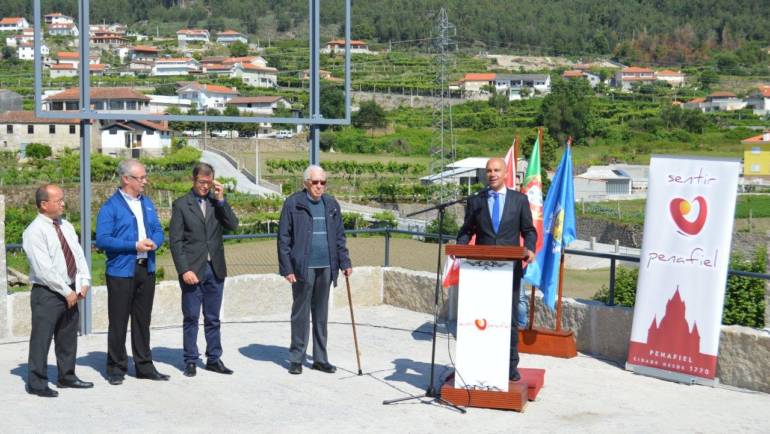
{"x":744,"y":297}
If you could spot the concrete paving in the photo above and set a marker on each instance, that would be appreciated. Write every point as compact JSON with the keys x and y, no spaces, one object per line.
{"x":583,"y":394}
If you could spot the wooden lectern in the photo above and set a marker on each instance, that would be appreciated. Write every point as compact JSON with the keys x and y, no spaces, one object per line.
{"x":532,"y":379}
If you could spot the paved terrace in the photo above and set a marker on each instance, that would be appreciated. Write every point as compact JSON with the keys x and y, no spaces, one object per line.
{"x":583,"y":394}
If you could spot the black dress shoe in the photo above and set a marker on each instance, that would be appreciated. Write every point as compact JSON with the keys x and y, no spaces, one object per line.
{"x":154,"y":376}
{"x":514,"y":375}
{"x":324,"y":367}
{"x":77,"y":383}
{"x":43,"y":393}
{"x":295,"y":368}
{"x":189,"y":370}
{"x":218,"y":367}
{"x":115,"y":379}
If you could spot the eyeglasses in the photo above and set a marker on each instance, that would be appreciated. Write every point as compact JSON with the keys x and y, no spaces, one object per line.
{"x":138,"y":178}
{"x":203,"y":182}
{"x":59,"y":201}
{"x":317,"y":181}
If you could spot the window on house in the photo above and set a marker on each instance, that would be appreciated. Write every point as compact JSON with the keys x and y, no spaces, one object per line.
{"x":72,"y":129}
{"x":9,"y":129}
{"x":130,"y":105}
{"x":755,"y":167}
{"x":150,"y":132}
{"x":116,"y":105}
{"x":51,"y":129}
{"x":30,"y":129}
{"x":113,"y":131}
{"x":99,"y":105}
{"x":755,"y":149}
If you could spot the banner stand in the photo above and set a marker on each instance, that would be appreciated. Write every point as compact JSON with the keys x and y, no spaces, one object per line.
{"x":671,"y":376}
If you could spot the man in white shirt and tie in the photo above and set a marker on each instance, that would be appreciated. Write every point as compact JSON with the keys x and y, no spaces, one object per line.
{"x":59,"y":276}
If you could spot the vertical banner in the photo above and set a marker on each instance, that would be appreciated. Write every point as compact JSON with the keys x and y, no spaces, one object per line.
{"x":484,"y":324}
{"x":683,"y":268}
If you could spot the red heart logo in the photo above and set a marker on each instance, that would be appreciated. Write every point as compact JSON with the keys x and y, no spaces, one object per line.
{"x":680,"y":208}
{"x":481,"y":324}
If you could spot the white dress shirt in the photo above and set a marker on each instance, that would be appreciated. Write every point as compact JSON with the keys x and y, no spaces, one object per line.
{"x":47,"y":265}
{"x":135,"y":203}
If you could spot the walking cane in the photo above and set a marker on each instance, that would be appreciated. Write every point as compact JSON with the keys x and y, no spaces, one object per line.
{"x":353,"y":321}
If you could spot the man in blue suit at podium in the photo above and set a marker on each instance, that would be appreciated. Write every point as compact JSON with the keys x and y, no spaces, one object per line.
{"x":498,"y":216}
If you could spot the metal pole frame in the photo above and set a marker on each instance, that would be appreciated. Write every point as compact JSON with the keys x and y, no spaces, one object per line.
{"x":86,"y":115}
{"x":89,"y":114}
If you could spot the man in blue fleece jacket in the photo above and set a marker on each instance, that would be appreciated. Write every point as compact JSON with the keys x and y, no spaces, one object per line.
{"x":129,"y":232}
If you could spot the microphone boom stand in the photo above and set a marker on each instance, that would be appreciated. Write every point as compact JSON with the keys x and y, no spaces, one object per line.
{"x":431,"y":391}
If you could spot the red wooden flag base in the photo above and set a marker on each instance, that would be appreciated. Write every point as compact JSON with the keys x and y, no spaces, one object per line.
{"x":519,"y":392}
{"x":547,"y":342}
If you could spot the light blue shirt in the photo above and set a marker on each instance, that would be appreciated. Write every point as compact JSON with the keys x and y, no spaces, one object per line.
{"x":491,"y":203}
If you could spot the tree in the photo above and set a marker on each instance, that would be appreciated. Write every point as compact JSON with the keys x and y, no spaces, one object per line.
{"x":708,"y":78}
{"x":37,"y":151}
{"x":370,"y":115}
{"x":569,"y":110}
{"x":239,"y":49}
{"x":332,"y":102}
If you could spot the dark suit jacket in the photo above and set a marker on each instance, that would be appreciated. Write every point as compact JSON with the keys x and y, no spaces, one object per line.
{"x":516,"y":222}
{"x":193,"y":238}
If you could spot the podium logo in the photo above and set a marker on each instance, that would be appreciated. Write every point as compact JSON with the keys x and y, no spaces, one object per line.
{"x":686,"y":218}
{"x":481,"y":324}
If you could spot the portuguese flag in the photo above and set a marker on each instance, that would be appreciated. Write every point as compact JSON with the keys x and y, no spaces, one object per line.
{"x":532,"y":186}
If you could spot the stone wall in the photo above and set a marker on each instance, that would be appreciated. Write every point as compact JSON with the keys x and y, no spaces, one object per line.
{"x":603,"y":331}
{"x":607,"y":232}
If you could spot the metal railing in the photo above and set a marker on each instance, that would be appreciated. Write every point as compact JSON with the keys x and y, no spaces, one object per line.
{"x":388,"y":233}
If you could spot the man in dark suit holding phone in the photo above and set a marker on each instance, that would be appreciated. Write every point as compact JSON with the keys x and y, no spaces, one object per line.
{"x":198,"y":220}
{"x":498,"y":216}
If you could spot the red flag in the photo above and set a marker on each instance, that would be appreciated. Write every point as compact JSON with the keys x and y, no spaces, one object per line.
{"x":510,"y":166}
{"x":452,"y":269}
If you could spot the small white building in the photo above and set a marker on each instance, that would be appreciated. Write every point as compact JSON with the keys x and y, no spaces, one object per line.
{"x":58,"y":18}
{"x":626,"y":77}
{"x":174,"y":66}
{"x":759,"y":100}
{"x":162,"y":103}
{"x":473,"y":83}
{"x":575,"y":74}
{"x":258,"y":105}
{"x":64,"y":29}
{"x":13,"y":24}
{"x":246,"y":60}
{"x":144,"y":53}
{"x":257,"y":76}
{"x":673,"y":78}
{"x":186,"y":36}
{"x":229,"y":37}
{"x":336,"y":46}
{"x":602,"y":183}
{"x":26,"y":51}
{"x":20,"y":128}
{"x":207,"y":96}
{"x":109,"y":99}
{"x":716,"y":102}
{"x":513,"y":84}
{"x":63,"y":70}
{"x":26,"y":35}
{"x":135,"y":138}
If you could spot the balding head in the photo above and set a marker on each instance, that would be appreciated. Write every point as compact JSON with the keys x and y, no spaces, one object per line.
{"x":496,"y":173}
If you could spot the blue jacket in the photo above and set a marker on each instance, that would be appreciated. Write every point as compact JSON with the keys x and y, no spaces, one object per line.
{"x":117,"y":234}
{"x":295,"y":232}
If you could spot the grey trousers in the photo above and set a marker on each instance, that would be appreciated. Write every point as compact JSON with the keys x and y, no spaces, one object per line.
{"x":310,"y":297}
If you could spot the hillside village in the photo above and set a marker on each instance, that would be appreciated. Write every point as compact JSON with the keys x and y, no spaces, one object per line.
{"x":241,"y":82}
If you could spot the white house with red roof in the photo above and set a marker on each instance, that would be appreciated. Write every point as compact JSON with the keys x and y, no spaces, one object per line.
{"x":473,"y":82}
{"x":674,"y":78}
{"x":144,"y":53}
{"x":257,"y":76}
{"x":207,"y":96}
{"x":759,"y":100}
{"x":336,"y":46}
{"x":186,"y":36}
{"x":716,"y":102}
{"x":135,"y":138}
{"x":63,"y":29}
{"x":229,"y":37}
{"x":574,"y":74}
{"x":627,"y":77}
{"x":13,"y":24}
{"x":174,"y":66}
{"x":246,"y":60}
{"x":109,"y":99}
{"x":26,"y":35}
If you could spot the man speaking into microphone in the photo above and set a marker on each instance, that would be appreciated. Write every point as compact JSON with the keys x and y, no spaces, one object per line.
{"x":498,"y":216}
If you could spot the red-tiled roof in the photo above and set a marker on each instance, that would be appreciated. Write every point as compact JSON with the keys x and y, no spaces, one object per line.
{"x":97,"y":67}
{"x":669,"y":73}
{"x":342,"y":42}
{"x":192,"y":32}
{"x":258,"y":68}
{"x":635,"y":69}
{"x":216,"y":67}
{"x":755,"y":140}
{"x":11,"y":20}
{"x":254,"y":100}
{"x":145,"y":48}
{"x":68,"y":55}
{"x":696,"y":100}
{"x":245,"y":59}
{"x":212,"y":88}
{"x":73,"y":94}
{"x":228,"y":33}
{"x":574,"y":73}
{"x":30,"y":118}
{"x":764,"y":90}
{"x":63,"y":67}
{"x":481,"y":76}
{"x":174,"y":59}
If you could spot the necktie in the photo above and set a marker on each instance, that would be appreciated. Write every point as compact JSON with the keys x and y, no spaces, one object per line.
{"x":496,"y":211}
{"x":202,"y":205}
{"x":69,"y":258}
